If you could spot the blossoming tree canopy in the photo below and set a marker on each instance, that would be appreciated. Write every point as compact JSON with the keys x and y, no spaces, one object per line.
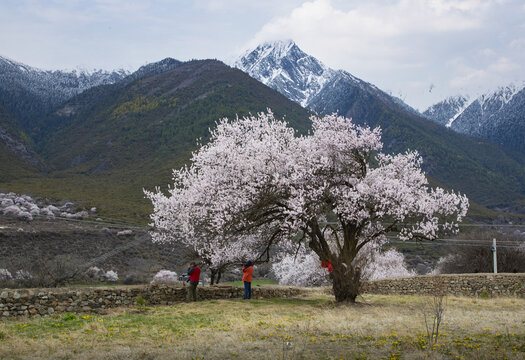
{"x":255,"y":174}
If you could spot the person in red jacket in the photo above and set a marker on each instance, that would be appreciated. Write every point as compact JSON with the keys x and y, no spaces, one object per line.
{"x":247,"y":274}
{"x":327,"y":264}
{"x":194,"y":273}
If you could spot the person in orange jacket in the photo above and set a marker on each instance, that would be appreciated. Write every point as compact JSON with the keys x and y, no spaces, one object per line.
{"x":247,"y":275}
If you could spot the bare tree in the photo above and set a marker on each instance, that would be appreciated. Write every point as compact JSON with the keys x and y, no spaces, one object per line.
{"x":433,"y":312}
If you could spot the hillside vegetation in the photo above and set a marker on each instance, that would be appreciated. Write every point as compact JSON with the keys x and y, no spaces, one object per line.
{"x":105,"y":145}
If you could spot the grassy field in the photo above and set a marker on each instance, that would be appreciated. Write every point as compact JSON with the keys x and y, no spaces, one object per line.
{"x":314,"y":327}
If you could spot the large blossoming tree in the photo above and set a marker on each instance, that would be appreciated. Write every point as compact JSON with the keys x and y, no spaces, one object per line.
{"x":255,"y":183}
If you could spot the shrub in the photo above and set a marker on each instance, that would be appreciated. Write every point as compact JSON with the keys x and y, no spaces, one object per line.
{"x":69,"y":316}
{"x":139,"y":300}
{"x":132,"y":279}
{"x":484,"y":294}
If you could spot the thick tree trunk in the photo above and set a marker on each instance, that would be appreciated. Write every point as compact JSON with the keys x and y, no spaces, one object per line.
{"x":345,"y":280}
{"x":215,"y":276}
{"x":344,"y":283}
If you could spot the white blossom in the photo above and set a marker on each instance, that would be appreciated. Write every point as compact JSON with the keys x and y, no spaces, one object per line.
{"x":23,"y":275}
{"x":111,"y":275}
{"x":5,"y":275}
{"x":166,"y":277}
{"x":95,"y":273}
{"x":256,"y":183}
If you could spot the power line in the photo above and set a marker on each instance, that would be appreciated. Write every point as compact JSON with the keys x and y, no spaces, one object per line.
{"x":414,"y":224}
{"x":450,"y":244}
{"x":471,"y":240}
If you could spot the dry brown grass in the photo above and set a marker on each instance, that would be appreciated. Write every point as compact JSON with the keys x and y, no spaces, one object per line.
{"x":378,"y":327}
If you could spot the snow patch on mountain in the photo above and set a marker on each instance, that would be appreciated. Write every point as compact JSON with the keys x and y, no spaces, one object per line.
{"x":501,"y":96}
{"x":463,"y":103}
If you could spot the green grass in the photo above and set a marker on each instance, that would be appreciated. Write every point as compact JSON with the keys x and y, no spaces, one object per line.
{"x":312,"y":327}
{"x":254,"y":282}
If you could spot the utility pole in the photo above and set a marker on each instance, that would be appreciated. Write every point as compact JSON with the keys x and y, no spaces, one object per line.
{"x":495,"y":257}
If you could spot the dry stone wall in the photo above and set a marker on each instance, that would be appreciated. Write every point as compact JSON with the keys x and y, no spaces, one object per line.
{"x":484,"y":285}
{"x":38,"y":302}
{"x":34,"y":302}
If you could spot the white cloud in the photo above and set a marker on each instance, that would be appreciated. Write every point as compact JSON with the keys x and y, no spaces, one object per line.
{"x":406,"y":42}
{"x":489,"y":76}
{"x":403,"y":46}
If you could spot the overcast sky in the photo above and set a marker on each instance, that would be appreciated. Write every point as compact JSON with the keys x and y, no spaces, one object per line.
{"x":419,"y":50}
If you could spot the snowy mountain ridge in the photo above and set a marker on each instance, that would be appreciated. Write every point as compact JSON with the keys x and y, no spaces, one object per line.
{"x":284,"y":67}
{"x":497,"y":115}
{"x":27,"y":91}
{"x":86,"y":78}
{"x":446,"y":111}
{"x":502,"y":95}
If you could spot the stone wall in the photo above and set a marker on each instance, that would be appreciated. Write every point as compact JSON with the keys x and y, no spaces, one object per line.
{"x":31,"y":302}
{"x":484,"y":285}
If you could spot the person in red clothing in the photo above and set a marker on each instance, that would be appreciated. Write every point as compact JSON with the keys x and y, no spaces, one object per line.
{"x":247,"y":274}
{"x":194,"y":273}
{"x":327,"y":264}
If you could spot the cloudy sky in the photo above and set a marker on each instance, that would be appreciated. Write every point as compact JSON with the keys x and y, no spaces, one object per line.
{"x":419,"y":50}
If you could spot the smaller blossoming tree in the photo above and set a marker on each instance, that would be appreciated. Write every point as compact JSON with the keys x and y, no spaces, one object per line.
{"x":302,"y":267}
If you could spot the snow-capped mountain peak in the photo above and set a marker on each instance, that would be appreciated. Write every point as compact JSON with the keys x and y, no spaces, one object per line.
{"x":446,"y":111}
{"x":283,"y":66}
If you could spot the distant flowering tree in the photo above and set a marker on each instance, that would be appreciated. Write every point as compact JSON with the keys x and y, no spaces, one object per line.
{"x":23,"y":275}
{"x":165,"y":277}
{"x":5,"y":275}
{"x":378,"y":264}
{"x":255,"y":174}
{"x":111,"y":275}
{"x":95,"y":273}
{"x":302,"y":267}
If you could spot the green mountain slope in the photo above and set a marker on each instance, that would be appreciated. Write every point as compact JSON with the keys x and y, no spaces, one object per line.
{"x":17,"y":158}
{"x":156,"y":119}
{"x":487,"y":173}
{"x":107,"y":144}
